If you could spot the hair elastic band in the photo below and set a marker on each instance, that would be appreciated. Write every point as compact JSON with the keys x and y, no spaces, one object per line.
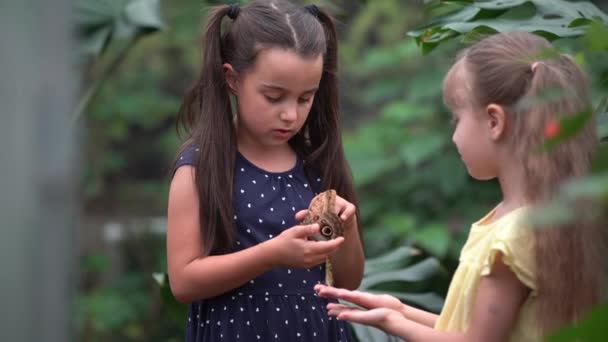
{"x":233,"y":11}
{"x":313,"y":9}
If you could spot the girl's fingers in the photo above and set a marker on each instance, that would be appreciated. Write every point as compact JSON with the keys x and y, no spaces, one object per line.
{"x":327,"y":247}
{"x":301,"y":214}
{"x":347,"y":211}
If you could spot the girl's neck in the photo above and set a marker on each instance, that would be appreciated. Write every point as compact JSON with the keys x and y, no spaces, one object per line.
{"x":513,"y":187}
{"x":272,"y":159}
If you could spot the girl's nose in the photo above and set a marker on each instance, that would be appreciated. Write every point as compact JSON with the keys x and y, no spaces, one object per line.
{"x":289,"y":113}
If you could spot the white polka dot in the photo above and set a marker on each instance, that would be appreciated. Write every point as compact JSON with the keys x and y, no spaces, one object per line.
{"x":286,"y":322}
{"x":271,"y":209}
{"x":290,"y":176}
{"x":288,"y":271}
{"x":238,"y":242}
{"x":280,"y":285}
{"x":318,"y":179}
{"x":266,"y":298}
{"x":225,"y":308}
{"x":293,"y":208}
{"x":248,"y":205}
{"x":273,"y":188}
{"x":248,"y":323}
{"x":197,"y":150}
{"x":262,"y":195}
{"x":253,"y":181}
{"x":242,"y":191}
{"x":235,"y":217}
{"x":248,"y":230}
{"x":232,"y":320}
{"x":305,"y":185}
{"x":270,"y":236}
{"x":219,"y":323}
{"x":314,"y":308}
{"x":298,"y":334}
{"x":242,"y":309}
{"x":266,"y":176}
{"x":279,"y":177}
{"x":305,"y":320}
{"x":283,"y":222}
{"x":202,"y":325}
{"x":278,"y":309}
{"x":181,"y":158}
{"x":250,"y":296}
{"x":260,"y":220}
{"x":259,"y":337}
{"x":276,"y":336}
{"x":289,"y":185}
{"x":283,"y":198}
{"x":266,"y":293}
{"x":242,"y":170}
{"x":314,"y":334}
{"x":297,"y":307}
{"x":304,"y":281}
{"x":257,"y":309}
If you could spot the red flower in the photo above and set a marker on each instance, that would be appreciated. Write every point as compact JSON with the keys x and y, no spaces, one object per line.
{"x":552,"y":129}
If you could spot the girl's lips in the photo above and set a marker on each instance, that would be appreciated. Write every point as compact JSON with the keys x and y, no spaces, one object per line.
{"x":282,"y":133}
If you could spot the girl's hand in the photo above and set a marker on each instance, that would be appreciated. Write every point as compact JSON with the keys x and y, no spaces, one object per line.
{"x":363,"y":299}
{"x":293,"y":249}
{"x":343,"y":208}
{"x":381,"y":318}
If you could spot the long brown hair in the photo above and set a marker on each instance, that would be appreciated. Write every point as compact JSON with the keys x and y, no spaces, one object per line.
{"x":207,"y":118}
{"x":569,"y":258}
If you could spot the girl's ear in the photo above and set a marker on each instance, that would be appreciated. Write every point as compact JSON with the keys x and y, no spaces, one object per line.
{"x":496,"y":121}
{"x":231,"y":77}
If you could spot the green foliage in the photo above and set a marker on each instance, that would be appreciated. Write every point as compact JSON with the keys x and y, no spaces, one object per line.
{"x":550,"y":18}
{"x":586,"y":330}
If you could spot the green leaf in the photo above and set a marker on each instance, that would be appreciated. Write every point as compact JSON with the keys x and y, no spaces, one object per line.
{"x":392,"y":260}
{"x":418,"y":272}
{"x":551,"y":19}
{"x":145,"y":14}
{"x":591,"y":328}
{"x":434,"y":238}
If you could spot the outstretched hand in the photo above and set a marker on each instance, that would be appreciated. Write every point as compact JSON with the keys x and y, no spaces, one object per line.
{"x":363,"y":299}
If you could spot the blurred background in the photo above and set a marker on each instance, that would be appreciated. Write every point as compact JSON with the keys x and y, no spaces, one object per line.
{"x":94,"y":166}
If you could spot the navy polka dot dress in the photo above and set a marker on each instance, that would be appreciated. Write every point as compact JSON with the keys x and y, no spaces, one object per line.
{"x":279,"y":305}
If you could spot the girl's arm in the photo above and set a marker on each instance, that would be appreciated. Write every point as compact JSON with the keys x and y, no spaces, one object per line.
{"x":500,"y":296}
{"x":193,"y":277}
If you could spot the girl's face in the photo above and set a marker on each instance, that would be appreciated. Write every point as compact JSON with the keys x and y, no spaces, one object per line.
{"x":275,"y":96}
{"x":473,"y":134}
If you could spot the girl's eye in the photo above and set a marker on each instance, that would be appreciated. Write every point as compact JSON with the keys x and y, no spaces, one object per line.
{"x":272,"y":99}
{"x":305,"y":100}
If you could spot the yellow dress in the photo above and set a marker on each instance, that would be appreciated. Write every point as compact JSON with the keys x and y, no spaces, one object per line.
{"x":511,"y":236}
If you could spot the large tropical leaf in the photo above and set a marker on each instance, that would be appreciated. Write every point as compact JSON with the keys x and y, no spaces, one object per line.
{"x":100,"y":21}
{"x":550,"y":18}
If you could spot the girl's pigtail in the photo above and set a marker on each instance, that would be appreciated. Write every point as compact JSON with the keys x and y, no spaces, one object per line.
{"x":575,"y":250}
{"x":208,"y":100}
